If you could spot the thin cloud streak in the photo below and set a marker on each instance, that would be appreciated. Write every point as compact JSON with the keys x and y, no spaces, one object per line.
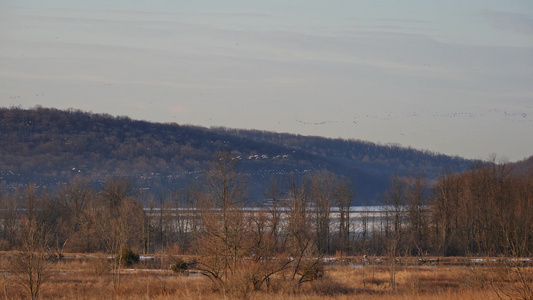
{"x":216,"y":64}
{"x":510,"y":21}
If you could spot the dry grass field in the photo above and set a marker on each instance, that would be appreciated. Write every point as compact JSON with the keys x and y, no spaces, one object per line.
{"x":91,"y":277}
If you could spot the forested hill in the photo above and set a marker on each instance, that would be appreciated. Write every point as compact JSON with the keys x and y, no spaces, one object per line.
{"x":47,"y":146}
{"x":524,"y":166}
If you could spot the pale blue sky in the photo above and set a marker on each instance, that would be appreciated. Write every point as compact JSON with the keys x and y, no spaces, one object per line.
{"x":447,"y":76}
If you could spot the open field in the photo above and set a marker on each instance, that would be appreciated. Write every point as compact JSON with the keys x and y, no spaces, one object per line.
{"x":91,"y":277}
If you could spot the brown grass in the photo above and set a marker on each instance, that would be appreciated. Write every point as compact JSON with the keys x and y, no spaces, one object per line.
{"x":90,"y":277}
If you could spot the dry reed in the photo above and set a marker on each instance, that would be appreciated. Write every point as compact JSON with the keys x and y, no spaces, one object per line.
{"x":89,"y":277}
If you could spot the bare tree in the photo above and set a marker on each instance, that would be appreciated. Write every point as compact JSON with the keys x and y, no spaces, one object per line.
{"x":193,"y":197}
{"x":10,"y":216}
{"x":416,"y":217}
{"x":442,"y":210}
{"x":395,"y":201}
{"x":275,"y":208}
{"x":115,"y":190}
{"x":263,"y":250}
{"x":30,"y":265}
{"x":74,"y":199}
{"x":323,"y":192}
{"x":301,"y":238}
{"x":222,"y":237}
{"x":344,"y":195}
{"x":116,"y":221}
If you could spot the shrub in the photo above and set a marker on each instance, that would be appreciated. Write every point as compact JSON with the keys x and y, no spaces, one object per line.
{"x":310,"y":272}
{"x":126,"y":257}
{"x":179,"y":266}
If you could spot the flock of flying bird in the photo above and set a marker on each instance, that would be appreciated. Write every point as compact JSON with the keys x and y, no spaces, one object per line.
{"x":496,"y":114}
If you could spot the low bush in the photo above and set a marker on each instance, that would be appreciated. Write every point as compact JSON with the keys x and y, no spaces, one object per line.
{"x":179,"y":266}
{"x":311,"y":271}
{"x":126,"y":257}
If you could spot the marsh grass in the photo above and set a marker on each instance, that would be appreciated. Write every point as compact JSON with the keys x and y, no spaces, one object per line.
{"x":90,"y":277}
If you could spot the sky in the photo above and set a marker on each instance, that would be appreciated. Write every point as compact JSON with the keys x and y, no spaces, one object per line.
{"x":453,"y":77}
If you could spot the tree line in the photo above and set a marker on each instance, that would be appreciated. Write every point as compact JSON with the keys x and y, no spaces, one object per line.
{"x":484,"y":211}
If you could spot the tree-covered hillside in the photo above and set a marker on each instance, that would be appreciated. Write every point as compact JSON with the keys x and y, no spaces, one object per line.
{"x":48,"y":146}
